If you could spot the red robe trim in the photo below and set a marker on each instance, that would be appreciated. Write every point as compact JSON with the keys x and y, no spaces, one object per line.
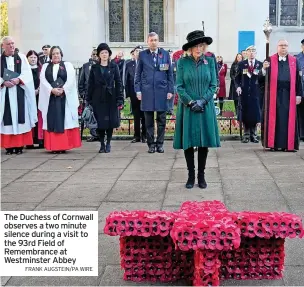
{"x":273,"y":101}
{"x":60,"y":142}
{"x":16,"y":141}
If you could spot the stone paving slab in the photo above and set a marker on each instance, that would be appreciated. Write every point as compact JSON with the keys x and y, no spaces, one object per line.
{"x":245,"y":177}
{"x":138,"y":191}
{"x":23,"y":163}
{"x":27,"y":191}
{"x":78,"y":195}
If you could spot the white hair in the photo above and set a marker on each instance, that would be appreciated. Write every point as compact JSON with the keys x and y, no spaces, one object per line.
{"x":283,"y":40}
{"x":6,"y":38}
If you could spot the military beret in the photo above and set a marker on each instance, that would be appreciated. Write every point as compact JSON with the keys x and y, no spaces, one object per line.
{"x":139,"y":47}
{"x":252,"y":47}
{"x":46,"y":46}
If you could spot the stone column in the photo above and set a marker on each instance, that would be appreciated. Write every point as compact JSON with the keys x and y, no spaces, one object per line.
{"x":75,"y":26}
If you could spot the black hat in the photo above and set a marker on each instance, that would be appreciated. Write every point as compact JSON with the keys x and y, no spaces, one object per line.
{"x":139,"y":47}
{"x":132,"y":51}
{"x":302,"y":42}
{"x":196,"y":37}
{"x":46,"y":46}
{"x":102,"y":47}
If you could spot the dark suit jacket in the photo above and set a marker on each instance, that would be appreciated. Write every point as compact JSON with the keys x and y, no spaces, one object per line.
{"x":84,"y":78}
{"x":43,"y":60}
{"x":154,"y":82}
{"x":129,"y":79}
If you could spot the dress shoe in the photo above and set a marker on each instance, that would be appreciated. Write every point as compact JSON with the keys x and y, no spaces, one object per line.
{"x":30,"y":147}
{"x":143,"y":140}
{"x":151,"y":149}
{"x":102,"y":148}
{"x":245,"y":140}
{"x":160,"y":149}
{"x":135,"y":140}
{"x":108,"y":148}
{"x":254,"y":140}
{"x":9,"y":151}
{"x":19,"y":151}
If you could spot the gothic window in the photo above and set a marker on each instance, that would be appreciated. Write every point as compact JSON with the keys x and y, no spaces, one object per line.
{"x":286,"y":13}
{"x":302,"y":12}
{"x":273,"y":12}
{"x":289,"y":13}
{"x":156,"y":18}
{"x":136,"y":22}
{"x":116,"y":21}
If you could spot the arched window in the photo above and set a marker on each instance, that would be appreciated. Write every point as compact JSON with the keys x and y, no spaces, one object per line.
{"x":286,"y":13}
{"x":130,"y":21}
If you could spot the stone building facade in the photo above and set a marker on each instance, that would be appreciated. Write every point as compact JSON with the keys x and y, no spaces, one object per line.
{"x":78,"y":26}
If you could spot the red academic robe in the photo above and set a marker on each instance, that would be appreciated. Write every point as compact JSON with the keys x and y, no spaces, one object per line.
{"x":222,"y":79}
{"x":281,"y":126}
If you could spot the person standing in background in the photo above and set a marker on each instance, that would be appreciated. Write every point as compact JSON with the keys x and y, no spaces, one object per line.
{"x":222,"y":72}
{"x":233,"y":73}
{"x":45,"y":57}
{"x":83,"y":86}
{"x":139,"y":116}
{"x":33,"y":58}
{"x":171,"y":101}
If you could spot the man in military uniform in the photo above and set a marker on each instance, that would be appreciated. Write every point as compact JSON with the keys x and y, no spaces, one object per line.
{"x":247,"y":87}
{"x":139,"y":116}
{"x":45,"y":57}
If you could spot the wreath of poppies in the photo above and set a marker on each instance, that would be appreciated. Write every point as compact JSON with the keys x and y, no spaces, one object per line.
{"x":203,"y":242}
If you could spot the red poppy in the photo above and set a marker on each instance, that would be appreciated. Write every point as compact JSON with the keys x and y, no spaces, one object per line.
{"x":61,"y":68}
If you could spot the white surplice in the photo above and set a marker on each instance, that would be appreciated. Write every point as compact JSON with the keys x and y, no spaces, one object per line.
{"x":70,"y":88}
{"x":30,"y":106}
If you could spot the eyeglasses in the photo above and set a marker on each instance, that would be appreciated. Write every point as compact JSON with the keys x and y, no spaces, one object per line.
{"x":94,"y":54}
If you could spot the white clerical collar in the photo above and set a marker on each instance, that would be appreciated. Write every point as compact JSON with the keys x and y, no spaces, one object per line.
{"x":34,"y":66}
{"x":282,"y":58}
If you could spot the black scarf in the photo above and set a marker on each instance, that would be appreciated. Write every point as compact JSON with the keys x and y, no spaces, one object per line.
{"x":7,"y":115}
{"x":56,"y":109}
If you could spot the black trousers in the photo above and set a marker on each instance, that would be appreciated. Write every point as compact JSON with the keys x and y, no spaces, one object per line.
{"x":139,"y":118}
{"x":161,"y":128}
{"x":102,"y":133}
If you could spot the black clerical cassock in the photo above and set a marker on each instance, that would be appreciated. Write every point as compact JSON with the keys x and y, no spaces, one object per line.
{"x":282,"y":130}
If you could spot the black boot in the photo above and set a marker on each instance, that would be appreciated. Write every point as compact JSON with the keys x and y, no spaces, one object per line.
{"x":102,"y":141}
{"x":202,"y":159}
{"x":189,"y":156}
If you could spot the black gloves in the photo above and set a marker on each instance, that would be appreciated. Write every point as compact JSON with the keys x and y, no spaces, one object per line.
{"x":198,"y":106}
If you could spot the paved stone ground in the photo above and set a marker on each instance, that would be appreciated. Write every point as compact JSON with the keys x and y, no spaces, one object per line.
{"x":243,"y":176}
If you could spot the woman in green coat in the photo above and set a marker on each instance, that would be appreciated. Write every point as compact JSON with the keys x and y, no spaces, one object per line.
{"x":196,"y":124}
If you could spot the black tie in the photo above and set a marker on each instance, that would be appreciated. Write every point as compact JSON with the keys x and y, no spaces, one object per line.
{"x":154,"y":58}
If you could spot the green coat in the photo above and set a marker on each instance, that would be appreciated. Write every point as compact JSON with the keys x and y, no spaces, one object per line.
{"x":195,"y":81}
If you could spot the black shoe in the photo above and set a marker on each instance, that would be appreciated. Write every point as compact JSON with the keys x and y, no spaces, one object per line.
{"x":102,"y":149}
{"x":135,"y":140}
{"x":62,"y":152}
{"x":254,"y":140}
{"x":19,"y":151}
{"x":160,"y":149}
{"x":151,"y":149}
{"x":143,"y":140}
{"x":191,"y":180}
{"x":108,"y":148}
{"x":9,"y":151}
{"x":30,"y":147}
{"x":245,"y":140}
{"x":201,"y":181}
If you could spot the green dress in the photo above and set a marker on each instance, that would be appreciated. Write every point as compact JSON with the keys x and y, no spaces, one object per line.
{"x":194,"y":81}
